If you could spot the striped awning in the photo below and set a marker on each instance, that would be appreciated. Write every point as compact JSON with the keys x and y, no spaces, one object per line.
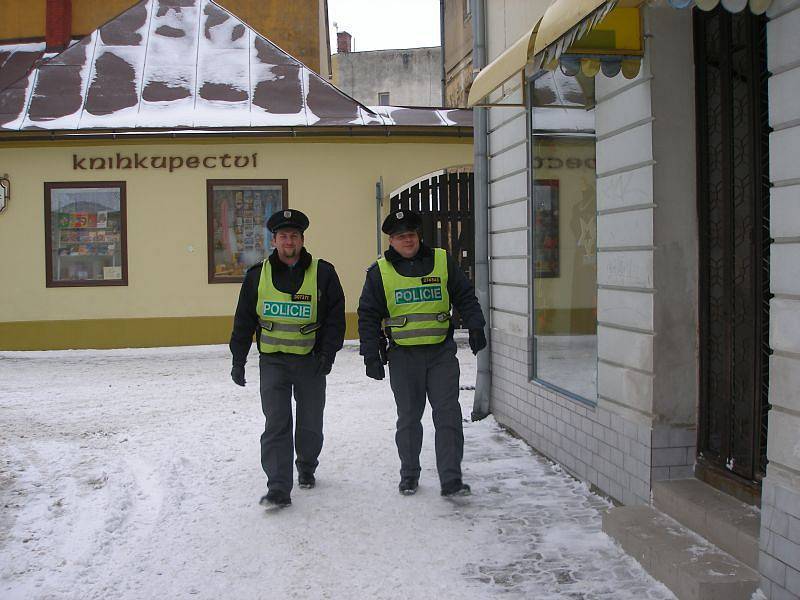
{"x":551,"y":42}
{"x":758,"y":7}
{"x":561,"y":24}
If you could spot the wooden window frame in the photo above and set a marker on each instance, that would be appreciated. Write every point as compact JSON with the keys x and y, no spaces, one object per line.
{"x":210,"y":183}
{"x":48,"y":240}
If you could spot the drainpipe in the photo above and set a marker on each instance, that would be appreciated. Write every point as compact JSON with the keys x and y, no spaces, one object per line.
{"x":441,"y":37}
{"x":483,"y":384}
{"x":378,"y":206}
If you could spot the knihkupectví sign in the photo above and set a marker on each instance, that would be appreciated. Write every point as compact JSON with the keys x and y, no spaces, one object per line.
{"x":140,"y":162}
{"x":291,"y":310}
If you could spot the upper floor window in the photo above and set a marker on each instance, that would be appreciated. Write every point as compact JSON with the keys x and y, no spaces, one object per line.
{"x":383,"y":98}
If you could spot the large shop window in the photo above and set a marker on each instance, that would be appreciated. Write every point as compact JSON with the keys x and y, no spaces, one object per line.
{"x":564,"y":236}
{"x":238,"y":237}
{"x":85,"y":234}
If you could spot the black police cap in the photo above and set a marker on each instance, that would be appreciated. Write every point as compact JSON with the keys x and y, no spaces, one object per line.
{"x":400,"y":221}
{"x":287,"y":218}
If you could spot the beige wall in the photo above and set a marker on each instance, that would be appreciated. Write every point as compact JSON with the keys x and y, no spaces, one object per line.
{"x":457,"y":53}
{"x":411,"y":76}
{"x":333,"y":182}
{"x":507,"y":21}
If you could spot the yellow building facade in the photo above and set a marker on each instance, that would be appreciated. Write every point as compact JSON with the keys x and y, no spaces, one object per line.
{"x":168,"y":298}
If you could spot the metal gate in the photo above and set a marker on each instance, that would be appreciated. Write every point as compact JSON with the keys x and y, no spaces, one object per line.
{"x":733,"y":205}
{"x":445,"y":204}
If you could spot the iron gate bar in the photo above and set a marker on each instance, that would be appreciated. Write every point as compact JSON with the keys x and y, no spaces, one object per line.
{"x":445,"y":204}
{"x":733,"y":214}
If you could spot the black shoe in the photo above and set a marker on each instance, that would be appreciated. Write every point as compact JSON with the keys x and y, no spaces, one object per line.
{"x":306,"y":480}
{"x":408,"y":486}
{"x":276,"y":499}
{"x":455,"y":488}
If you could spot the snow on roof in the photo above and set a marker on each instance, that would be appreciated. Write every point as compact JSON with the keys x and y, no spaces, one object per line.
{"x":16,"y":63}
{"x":182,"y":64}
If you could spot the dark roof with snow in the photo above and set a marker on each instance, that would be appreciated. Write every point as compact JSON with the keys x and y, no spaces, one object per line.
{"x":182,"y":65}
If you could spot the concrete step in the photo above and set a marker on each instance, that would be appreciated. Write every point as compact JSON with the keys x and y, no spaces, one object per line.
{"x":683,"y":561}
{"x":729,"y":524}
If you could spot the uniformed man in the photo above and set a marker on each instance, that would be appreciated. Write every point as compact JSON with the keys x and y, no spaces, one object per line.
{"x":295,"y":304}
{"x":406,"y":301}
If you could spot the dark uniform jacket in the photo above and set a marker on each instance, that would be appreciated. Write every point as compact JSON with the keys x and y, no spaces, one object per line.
{"x":372,"y":304}
{"x":330,"y":305}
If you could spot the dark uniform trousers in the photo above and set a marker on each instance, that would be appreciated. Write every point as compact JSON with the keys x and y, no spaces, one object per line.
{"x":415,"y":372}
{"x":280,"y":374}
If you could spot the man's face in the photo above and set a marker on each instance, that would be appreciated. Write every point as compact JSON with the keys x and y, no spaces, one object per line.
{"x":406,"y":244}
{"x":288,"y":242}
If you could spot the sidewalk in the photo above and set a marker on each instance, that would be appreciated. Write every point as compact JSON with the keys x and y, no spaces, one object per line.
{"x":134,"y":474}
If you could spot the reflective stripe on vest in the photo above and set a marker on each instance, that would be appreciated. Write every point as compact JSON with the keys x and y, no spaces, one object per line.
{"x":288,"y":321}
{"x":419,"y":307}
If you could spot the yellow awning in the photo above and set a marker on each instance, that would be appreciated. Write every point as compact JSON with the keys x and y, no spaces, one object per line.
{"x":511,"y":62}
{"x":564,"y":22}
{"x":562,"y":16}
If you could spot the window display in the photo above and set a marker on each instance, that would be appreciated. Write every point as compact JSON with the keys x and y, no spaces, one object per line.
{"x":85,"y":233}
{"x":237,"y":218}
{"x":565,"y":263}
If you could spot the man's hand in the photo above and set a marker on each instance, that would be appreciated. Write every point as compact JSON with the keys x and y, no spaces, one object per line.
{"x":324,"y":364}
{"x":477,"y":340}
{"x":375,"y":368}
{"x":237,"y":374}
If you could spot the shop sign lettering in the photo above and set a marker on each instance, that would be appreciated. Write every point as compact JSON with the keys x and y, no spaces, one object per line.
{"x":289,"y":310}
{"x":428,"y":293}
{"x":138,"y":161}
{"x":553,"y":162}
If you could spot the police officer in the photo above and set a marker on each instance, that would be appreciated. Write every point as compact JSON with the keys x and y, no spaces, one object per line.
{"x":406,"y":302}
{"x":295,"y":304}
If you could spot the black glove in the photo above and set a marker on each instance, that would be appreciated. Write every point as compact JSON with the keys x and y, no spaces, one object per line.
{"x":375,"y":368}
{"x":237,"y":374}
{"x":324,"y":365}
{"x":477,"y":340}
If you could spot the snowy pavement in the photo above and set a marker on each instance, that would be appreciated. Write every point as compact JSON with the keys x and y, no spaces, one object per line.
{"x":134,"y":474}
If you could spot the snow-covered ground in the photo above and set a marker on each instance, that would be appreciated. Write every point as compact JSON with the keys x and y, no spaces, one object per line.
{"x":134,"y":474}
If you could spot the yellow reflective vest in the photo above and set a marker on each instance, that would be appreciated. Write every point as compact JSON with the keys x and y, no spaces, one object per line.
{"x":288,"y":321}
{"x":419,"y":307}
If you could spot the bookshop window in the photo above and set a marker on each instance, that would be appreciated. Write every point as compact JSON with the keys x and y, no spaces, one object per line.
{"x":238,"y":237}
{"x":565,"y":264}
{"x":85,"y":234}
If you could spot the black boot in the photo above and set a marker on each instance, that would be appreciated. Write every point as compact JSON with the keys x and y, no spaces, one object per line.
{"x":408,"y":486}
{"x":455,"y":488}
{"x":306,"y":480}
{"x":275,"y":498}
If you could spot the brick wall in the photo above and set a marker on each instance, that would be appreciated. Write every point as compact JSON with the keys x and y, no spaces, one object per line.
{"x":596,"y":445}
{"x":779,"y":543}
{"x":779,"y":558}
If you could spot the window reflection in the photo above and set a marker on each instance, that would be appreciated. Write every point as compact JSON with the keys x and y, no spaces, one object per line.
{"x":564,"y":255}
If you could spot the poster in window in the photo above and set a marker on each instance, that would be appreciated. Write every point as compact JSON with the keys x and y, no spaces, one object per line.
{"x":238,"y":214}
{"x":546,"y":219}
{"x":85,"y":224}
